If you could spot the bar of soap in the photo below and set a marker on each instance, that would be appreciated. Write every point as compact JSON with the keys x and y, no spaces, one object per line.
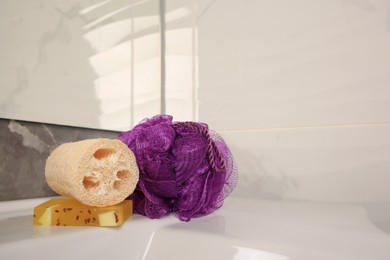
{"x":70,"y":212}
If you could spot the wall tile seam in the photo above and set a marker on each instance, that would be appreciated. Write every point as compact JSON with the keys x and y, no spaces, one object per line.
{"x":303,"y":127}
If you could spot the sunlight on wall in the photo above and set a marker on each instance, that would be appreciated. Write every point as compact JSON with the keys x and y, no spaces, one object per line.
{"x":127,"y":62}
{"x":180,"y":61}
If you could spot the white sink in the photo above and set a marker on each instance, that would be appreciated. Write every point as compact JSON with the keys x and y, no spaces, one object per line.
{"x":241,"y":229}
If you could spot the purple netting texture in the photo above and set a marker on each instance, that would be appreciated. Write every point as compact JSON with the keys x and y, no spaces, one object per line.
{"x":184,"y":168}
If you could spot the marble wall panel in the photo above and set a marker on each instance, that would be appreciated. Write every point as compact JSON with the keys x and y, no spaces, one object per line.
{"x":85,"y":63}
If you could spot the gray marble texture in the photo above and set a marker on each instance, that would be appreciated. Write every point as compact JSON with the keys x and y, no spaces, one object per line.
{"x":24,"y":148}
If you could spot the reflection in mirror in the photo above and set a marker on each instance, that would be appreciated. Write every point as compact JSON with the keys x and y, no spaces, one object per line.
{"x":92,"y":63}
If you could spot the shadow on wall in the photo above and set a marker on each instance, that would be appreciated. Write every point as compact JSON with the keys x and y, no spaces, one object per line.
{"x":379,"y":214}
{"x":260,"y":177}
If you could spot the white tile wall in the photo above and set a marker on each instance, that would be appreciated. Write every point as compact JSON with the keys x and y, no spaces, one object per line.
{"x":343,"y":164}
{"x":89,"y":63}
{"x":299,"y":89}
{"x":265,"y":64}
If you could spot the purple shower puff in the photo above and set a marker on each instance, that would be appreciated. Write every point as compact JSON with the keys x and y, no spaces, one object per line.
{"x":185,"y":168}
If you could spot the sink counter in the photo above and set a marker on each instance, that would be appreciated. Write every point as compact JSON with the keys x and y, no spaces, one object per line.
{"x":241,"y":229}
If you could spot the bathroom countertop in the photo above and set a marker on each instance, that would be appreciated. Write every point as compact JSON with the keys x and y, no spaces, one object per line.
{"x":241,"y":229}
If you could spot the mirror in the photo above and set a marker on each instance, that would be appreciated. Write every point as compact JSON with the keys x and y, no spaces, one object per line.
{"x":93,"y":64}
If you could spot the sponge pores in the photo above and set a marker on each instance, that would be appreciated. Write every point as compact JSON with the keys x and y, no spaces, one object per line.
{"x":97,"y":172}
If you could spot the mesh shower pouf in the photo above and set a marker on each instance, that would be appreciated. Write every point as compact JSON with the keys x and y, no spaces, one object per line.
{"x":184,"y":167}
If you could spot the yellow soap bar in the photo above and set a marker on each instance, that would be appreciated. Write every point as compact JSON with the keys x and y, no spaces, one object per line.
{"x":71,"y":212}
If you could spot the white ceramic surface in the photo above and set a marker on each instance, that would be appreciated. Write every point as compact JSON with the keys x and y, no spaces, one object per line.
{"x":241,"y":229}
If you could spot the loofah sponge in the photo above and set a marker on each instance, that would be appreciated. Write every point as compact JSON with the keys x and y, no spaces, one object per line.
{"x":97,"y":172}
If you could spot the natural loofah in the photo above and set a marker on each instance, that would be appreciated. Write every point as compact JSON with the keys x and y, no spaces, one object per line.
{"x":184,"y":168}
{"x":97,"y":172}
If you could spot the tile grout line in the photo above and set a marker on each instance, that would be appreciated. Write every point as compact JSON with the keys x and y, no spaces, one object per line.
{"x":300,"y":127}
{"x":162,"y":58}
